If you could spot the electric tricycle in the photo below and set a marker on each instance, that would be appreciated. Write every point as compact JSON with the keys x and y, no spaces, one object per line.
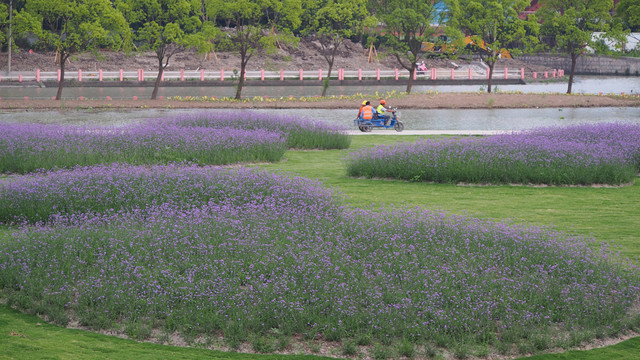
{"x":379,"y":122}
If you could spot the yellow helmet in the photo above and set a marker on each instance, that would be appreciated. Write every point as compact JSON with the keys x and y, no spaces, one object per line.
{"x":364,"y":102}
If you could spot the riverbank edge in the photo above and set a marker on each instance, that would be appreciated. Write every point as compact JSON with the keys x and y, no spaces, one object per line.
{"x":436,"y":100}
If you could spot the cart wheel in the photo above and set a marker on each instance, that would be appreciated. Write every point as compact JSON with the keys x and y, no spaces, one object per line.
{"x":399,"y":126}
{"x":367,"y":128}
{"x":361,"y":128}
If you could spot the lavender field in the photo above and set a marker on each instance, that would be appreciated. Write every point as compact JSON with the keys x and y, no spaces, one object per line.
{"x":574,"y":155}
{"x":246,"y":253}
{"x":300,"y":133}
{"x":203,"y":139}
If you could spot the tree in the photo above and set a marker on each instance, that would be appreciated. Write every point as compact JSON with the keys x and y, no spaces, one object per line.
{"x":166,"y":27}
{"x":72,"y":26}
{"x":333,"y":23}
{"x":494,"y":25}
{"x":408,"y":23}
{"x":628,"y":11}
{"x":255,"y":26}
{"x":572,"y":23}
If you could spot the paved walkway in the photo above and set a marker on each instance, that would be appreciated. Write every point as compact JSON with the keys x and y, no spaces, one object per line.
{"x":429,"y":132}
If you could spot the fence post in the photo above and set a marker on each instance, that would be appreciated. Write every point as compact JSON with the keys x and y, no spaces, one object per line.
{"x":452,"y":74}
{"x":522,"y":73}
{"x":221,"y":74}
{"x":59,"y":75}
{"x":162,"y":76}
{"x":261,"y":74}
{"x":470,"y":74}
{"x":535,"y":75}
{"x":360,"y":74}
{"x":20,"y":78}
{"x":181,"y":74}
{"x":415,"y":74}
{"x":506,"y":73}
{"x":141,"y":74}
{"x":121,"y":75}
{"x":397,"y":74}
{"x":378,"y":74}
{"x":554,"y":73}
{"x":546,"y":74}
{"x":100,"y":75}
{"x":201,"y":74}
{"x":281,"y":75}
{"x":434,"y":73}
{"x":79,"y":74}
{"x":301,"y":74}
{"x":38,"y":75}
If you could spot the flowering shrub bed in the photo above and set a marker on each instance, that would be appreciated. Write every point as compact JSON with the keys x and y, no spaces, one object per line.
{"x":300,"y":133}
{"x":581,"y":154}
{"x":101,"y":189}
{"x":285,"y":256}
{"x":27,"y":147}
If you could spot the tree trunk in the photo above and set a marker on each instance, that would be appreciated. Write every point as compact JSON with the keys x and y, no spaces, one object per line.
{"x":574,"y":59}
{"x":243,"y":65}
{"x":411,"y":72}
{"x":490,"y":76}
{"x":325,"y":87}
{"x":157,"y":85}
{"x":63,"y":59}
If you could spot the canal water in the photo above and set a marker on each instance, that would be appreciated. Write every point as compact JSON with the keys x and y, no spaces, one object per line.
{"x":437,"y":119}
{"x":582,"y":85}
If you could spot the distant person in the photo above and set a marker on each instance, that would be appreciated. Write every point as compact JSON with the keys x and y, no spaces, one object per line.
{"x":381,"y":110}
{"x":364,"y":103}
{"x":367,"y":112}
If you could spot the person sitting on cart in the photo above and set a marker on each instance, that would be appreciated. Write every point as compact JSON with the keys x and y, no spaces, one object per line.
{"x":364,"y":103}
{"x":367,"y":112}
{"x":381,"y":112}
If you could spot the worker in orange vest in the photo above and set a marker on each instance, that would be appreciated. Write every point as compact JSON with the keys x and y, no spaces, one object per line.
{"x":364,"y":103}
{"x":367,"y":111}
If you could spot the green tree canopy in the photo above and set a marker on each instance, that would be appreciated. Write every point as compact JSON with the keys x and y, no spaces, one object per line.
{"x":571,"y":24}
{"x":166,"y":27}
{"x":333,"y":22}
{"x":73,"y":26}
{"x":493,"y":25}
{"x":628,"y":11}
{"x":255,"y":26}
{"x":408,"y":23}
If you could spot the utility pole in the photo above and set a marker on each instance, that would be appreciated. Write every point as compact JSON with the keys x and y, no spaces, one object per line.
{"x":10,"y":21}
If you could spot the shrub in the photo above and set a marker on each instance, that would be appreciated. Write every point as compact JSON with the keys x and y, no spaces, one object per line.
{"x":576,"y":155}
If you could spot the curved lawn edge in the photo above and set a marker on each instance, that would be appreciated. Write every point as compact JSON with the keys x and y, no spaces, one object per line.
{"x":28,"y":336}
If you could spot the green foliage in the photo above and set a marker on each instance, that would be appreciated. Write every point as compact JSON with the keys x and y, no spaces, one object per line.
{"x":571,"y":25}
{"x":628,"y":11}
{"x":167,"y":27}
{"x":494,"y":25}
{"x":256,"y":26}
{"x":408,"y":24}
{"x":71,"y":27}
{"x":335,"y":21}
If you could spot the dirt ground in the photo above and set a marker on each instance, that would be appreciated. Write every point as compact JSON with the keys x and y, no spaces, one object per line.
{"x":413,"y":101}
{"x":306,"y":56}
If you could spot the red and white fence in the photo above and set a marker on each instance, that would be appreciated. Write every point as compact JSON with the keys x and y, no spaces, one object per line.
{"x":282,"y":75}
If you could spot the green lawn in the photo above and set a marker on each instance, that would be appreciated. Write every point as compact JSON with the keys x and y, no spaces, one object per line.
{"x":609,"y":214}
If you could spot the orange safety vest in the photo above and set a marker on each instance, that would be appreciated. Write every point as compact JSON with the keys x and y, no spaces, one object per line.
{"x":367,"y":112}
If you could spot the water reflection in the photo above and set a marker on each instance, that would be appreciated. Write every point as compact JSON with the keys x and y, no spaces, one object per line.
{"x":582,"y":84}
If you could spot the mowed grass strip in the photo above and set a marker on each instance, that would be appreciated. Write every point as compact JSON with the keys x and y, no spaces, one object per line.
{"x":28,"y":337}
